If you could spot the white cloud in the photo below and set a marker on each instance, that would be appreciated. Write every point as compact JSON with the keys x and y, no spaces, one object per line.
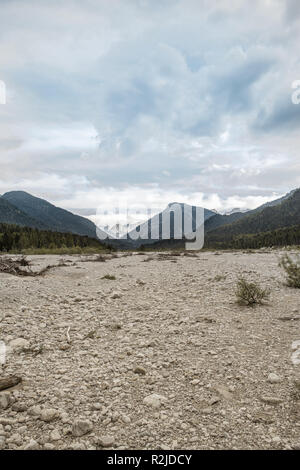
{"x":187,"y":99}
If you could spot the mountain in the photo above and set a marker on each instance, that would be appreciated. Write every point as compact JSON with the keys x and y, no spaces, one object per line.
{"x":219,"y":220}
{"x":276,"y":202}
{"x":23,"y":209}
{"x":174,"y":213}
{"x":285,"y":213}
{"x":234,"y":210}
{"x":10,"y":214}
{"x":36,"y":212}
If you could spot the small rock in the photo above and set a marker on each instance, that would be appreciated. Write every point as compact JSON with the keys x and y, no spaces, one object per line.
{"x":271,"y":400}
{"x":19,"y":407}
{"x":195,"y":382}
{"x":4,"y":400}
{"x":263,"y":417}
{"x":224,"y":392}
{"x":49,"y":446}
{"x":81,"y":427}
{"x":297,"y":382}
{"x":55,"y":436}
{"x":139,"y":370}
{"x":126,"y":419}
{"x":48,"y":414}
{"x":32,"y":445}
{"x":106,"y":441}
{"x":2,"y":442}
{"x":154,"y":400}
{"x":115,"y":295}
{"x":19,"y":344}
{"x":35,"y":410}
{"x":78,"y":446}
{"x":96,"y":406}
{"x":273,"y":378}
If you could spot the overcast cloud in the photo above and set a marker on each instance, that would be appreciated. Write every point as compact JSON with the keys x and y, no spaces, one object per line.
{"x":169,"y":100}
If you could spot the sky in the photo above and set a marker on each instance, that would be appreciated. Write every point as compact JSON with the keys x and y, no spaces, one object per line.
{"x":150,"y":100}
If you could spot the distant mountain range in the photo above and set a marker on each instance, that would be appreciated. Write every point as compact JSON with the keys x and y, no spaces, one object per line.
{"x":21,"y":208}
{"x":152,"y":230}
{"x":281,"y":213}
{"x":275,"y":222}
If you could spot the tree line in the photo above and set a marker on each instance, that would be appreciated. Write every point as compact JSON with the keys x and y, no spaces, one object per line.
{"x":287,"y":236}
{"x":15,"y":237}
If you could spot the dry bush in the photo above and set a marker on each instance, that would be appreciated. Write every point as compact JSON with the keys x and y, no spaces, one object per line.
{"x":109,"y":277}
{"x":250,"y":293}
{"x":292,"y":270}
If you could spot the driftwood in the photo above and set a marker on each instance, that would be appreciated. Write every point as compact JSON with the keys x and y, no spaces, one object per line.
{"x":13,"y":266}
{"x":8,"y":382}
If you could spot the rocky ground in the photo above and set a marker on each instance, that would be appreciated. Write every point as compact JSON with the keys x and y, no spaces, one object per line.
{"x":161,"y":357}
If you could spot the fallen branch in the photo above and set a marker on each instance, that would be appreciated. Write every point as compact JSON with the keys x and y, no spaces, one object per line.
{"x":12,"y":266}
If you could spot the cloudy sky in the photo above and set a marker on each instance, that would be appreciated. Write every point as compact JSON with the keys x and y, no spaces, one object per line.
{"x":152,"y":100}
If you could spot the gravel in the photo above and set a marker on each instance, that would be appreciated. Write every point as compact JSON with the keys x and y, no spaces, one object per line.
{"x":160,"y":357}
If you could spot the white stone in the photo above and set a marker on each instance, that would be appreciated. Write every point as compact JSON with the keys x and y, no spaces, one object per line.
{"x":81,"y":427}
{"x":106,"y":441}
{"x":273,"y":378}
{"x":32,"y":445}
{"x":48,"y":414}
{"x":154,"y":400}
{"x":55,"y":436}
{"x":19,"y":344}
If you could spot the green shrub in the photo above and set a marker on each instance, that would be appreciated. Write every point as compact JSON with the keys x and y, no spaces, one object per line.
{"x":292,"y":270}
{"x":250,"y":293}
{"x":219,"y":278}
{"x":109,"y":277}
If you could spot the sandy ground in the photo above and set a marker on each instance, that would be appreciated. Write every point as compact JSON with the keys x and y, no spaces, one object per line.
{"x":159,"y":358}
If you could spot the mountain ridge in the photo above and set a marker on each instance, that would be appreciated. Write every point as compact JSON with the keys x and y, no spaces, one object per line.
{"x":50,"y":216}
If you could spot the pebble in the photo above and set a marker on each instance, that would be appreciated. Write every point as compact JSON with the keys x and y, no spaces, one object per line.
{"x":48,"y":415}
{"x":2,"y":442}
{"x":49,"y":446}
{"x":154,"y":400}
{"x":19,"y":344}
{"x":32,"y":445}
{"x":106,"y":441}
{"x":54,"y":435}
{"x":139,"y":370}
{"x":81,"y":427}
{"x":273,"y":378}
{"x":271,"y":400}
{"x":5,"y":400}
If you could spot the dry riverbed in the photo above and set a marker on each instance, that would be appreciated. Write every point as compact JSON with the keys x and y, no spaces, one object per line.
{"x":161,"y":357}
